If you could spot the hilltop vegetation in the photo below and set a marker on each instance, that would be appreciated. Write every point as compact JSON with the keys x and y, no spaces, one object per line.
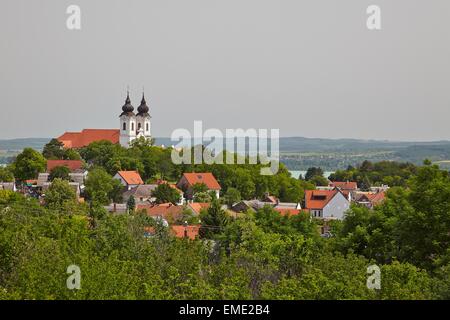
{"x":299,"y":153}
{"x":258,"y":255}
{"x":261,"y":255}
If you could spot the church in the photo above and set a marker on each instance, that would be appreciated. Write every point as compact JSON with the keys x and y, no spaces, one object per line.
{"x":131,"y":126}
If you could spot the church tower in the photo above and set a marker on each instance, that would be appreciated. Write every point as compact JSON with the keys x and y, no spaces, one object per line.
{"x":127,"y":123}
{"x":143,"y":128}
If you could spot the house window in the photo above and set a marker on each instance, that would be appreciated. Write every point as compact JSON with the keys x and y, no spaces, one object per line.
{"x":124,"y":126}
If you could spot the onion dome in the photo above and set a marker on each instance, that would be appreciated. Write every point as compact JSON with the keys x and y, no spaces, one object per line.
{"x":127,"y":107}
{"x":143,"y":108}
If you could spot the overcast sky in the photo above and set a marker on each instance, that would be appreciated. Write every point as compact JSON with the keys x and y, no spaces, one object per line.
{"x":310,"y":68}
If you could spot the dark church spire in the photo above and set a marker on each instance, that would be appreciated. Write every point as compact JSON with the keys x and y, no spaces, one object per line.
{"x":143,"y":108}
{"x":127,"y":107}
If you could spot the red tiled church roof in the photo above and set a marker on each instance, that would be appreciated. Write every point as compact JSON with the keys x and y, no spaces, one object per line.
{"x":87,"y":136}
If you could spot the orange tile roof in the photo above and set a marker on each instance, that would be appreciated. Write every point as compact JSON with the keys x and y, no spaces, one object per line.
{"x":376,"y":198}
{"x":131,"y":177}
{"x":202,"y":177}
{"x":164,"y":210}
{"x":344,"y":185}
{"x":289,"y":212}
{"x":318,"y":199}
{"x":71,"y":164}
{"x":198,"y":206}
{"x":190,"y":232}
{"x":87,"y":136}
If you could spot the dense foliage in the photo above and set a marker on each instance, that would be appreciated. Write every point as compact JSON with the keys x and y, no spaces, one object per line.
{"x":375,"y":174}
{"x":258,"y":256}
{"x":253,"y":255}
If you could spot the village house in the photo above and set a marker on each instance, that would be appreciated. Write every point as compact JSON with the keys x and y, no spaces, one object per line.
{"x":197,"y":207}
{"x":165,"y":211}
{"x":188,"y":180}
{"x":348,"y":188}
{"x":326,"y":204}
{"x":190,"y":232}
{"x":129,"y":179}
{"x":185,"y":231}
{"x":75,"y":166}
{"x":369,"y":199}
{"x":141,"y":193}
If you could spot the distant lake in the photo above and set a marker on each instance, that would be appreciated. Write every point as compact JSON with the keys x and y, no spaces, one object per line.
{"x":297,"y":173}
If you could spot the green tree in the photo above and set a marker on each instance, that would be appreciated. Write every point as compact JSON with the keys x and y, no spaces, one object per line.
{"x":61,"y":172}
{"x":164,"y":193}
{"x":28,"y":164}
{"x":199,"y":187}
{"x":6,"y":175}
{"x":60,"y":195}
{"x":232,"y":195}
{"x":213,"y":220}
{"x":202,"y":197}
{"x":54,"y":150}
{"x":131,"y":204}
{"x":319,"y":181}
{"x":71,"y":154}
{"x":313,"y":172}
{"x":101,"y":188}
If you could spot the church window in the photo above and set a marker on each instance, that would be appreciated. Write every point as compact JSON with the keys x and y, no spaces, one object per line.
{"x":124,"y":126}
{"x":132,"y":126}
{"x":139,"y":126}
{"x":146,"y":127}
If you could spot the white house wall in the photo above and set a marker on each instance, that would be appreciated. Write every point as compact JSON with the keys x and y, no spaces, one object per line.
{"x":336,"y":207}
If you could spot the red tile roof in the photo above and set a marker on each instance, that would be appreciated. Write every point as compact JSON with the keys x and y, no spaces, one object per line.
{"x":190,"y":232}
{"x":344,"y":185}
{"x":165,"y":210}
{"x":198,"y":206}
{"x":318,"y":199}
{"x":71,"y":164}
{"x":204,"y":177}
{"x":376,"y":198}
{"x":289,"y":212}
{"x":131,"y":177}
{"x":87,"y":136}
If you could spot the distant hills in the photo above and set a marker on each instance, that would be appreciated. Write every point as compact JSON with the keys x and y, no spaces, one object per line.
{"x":299,"y":153}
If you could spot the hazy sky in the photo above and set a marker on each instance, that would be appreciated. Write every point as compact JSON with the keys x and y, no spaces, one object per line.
{"x":310,"y":68}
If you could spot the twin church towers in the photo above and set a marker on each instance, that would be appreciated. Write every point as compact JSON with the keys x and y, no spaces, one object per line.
{"x":133,"y":125}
